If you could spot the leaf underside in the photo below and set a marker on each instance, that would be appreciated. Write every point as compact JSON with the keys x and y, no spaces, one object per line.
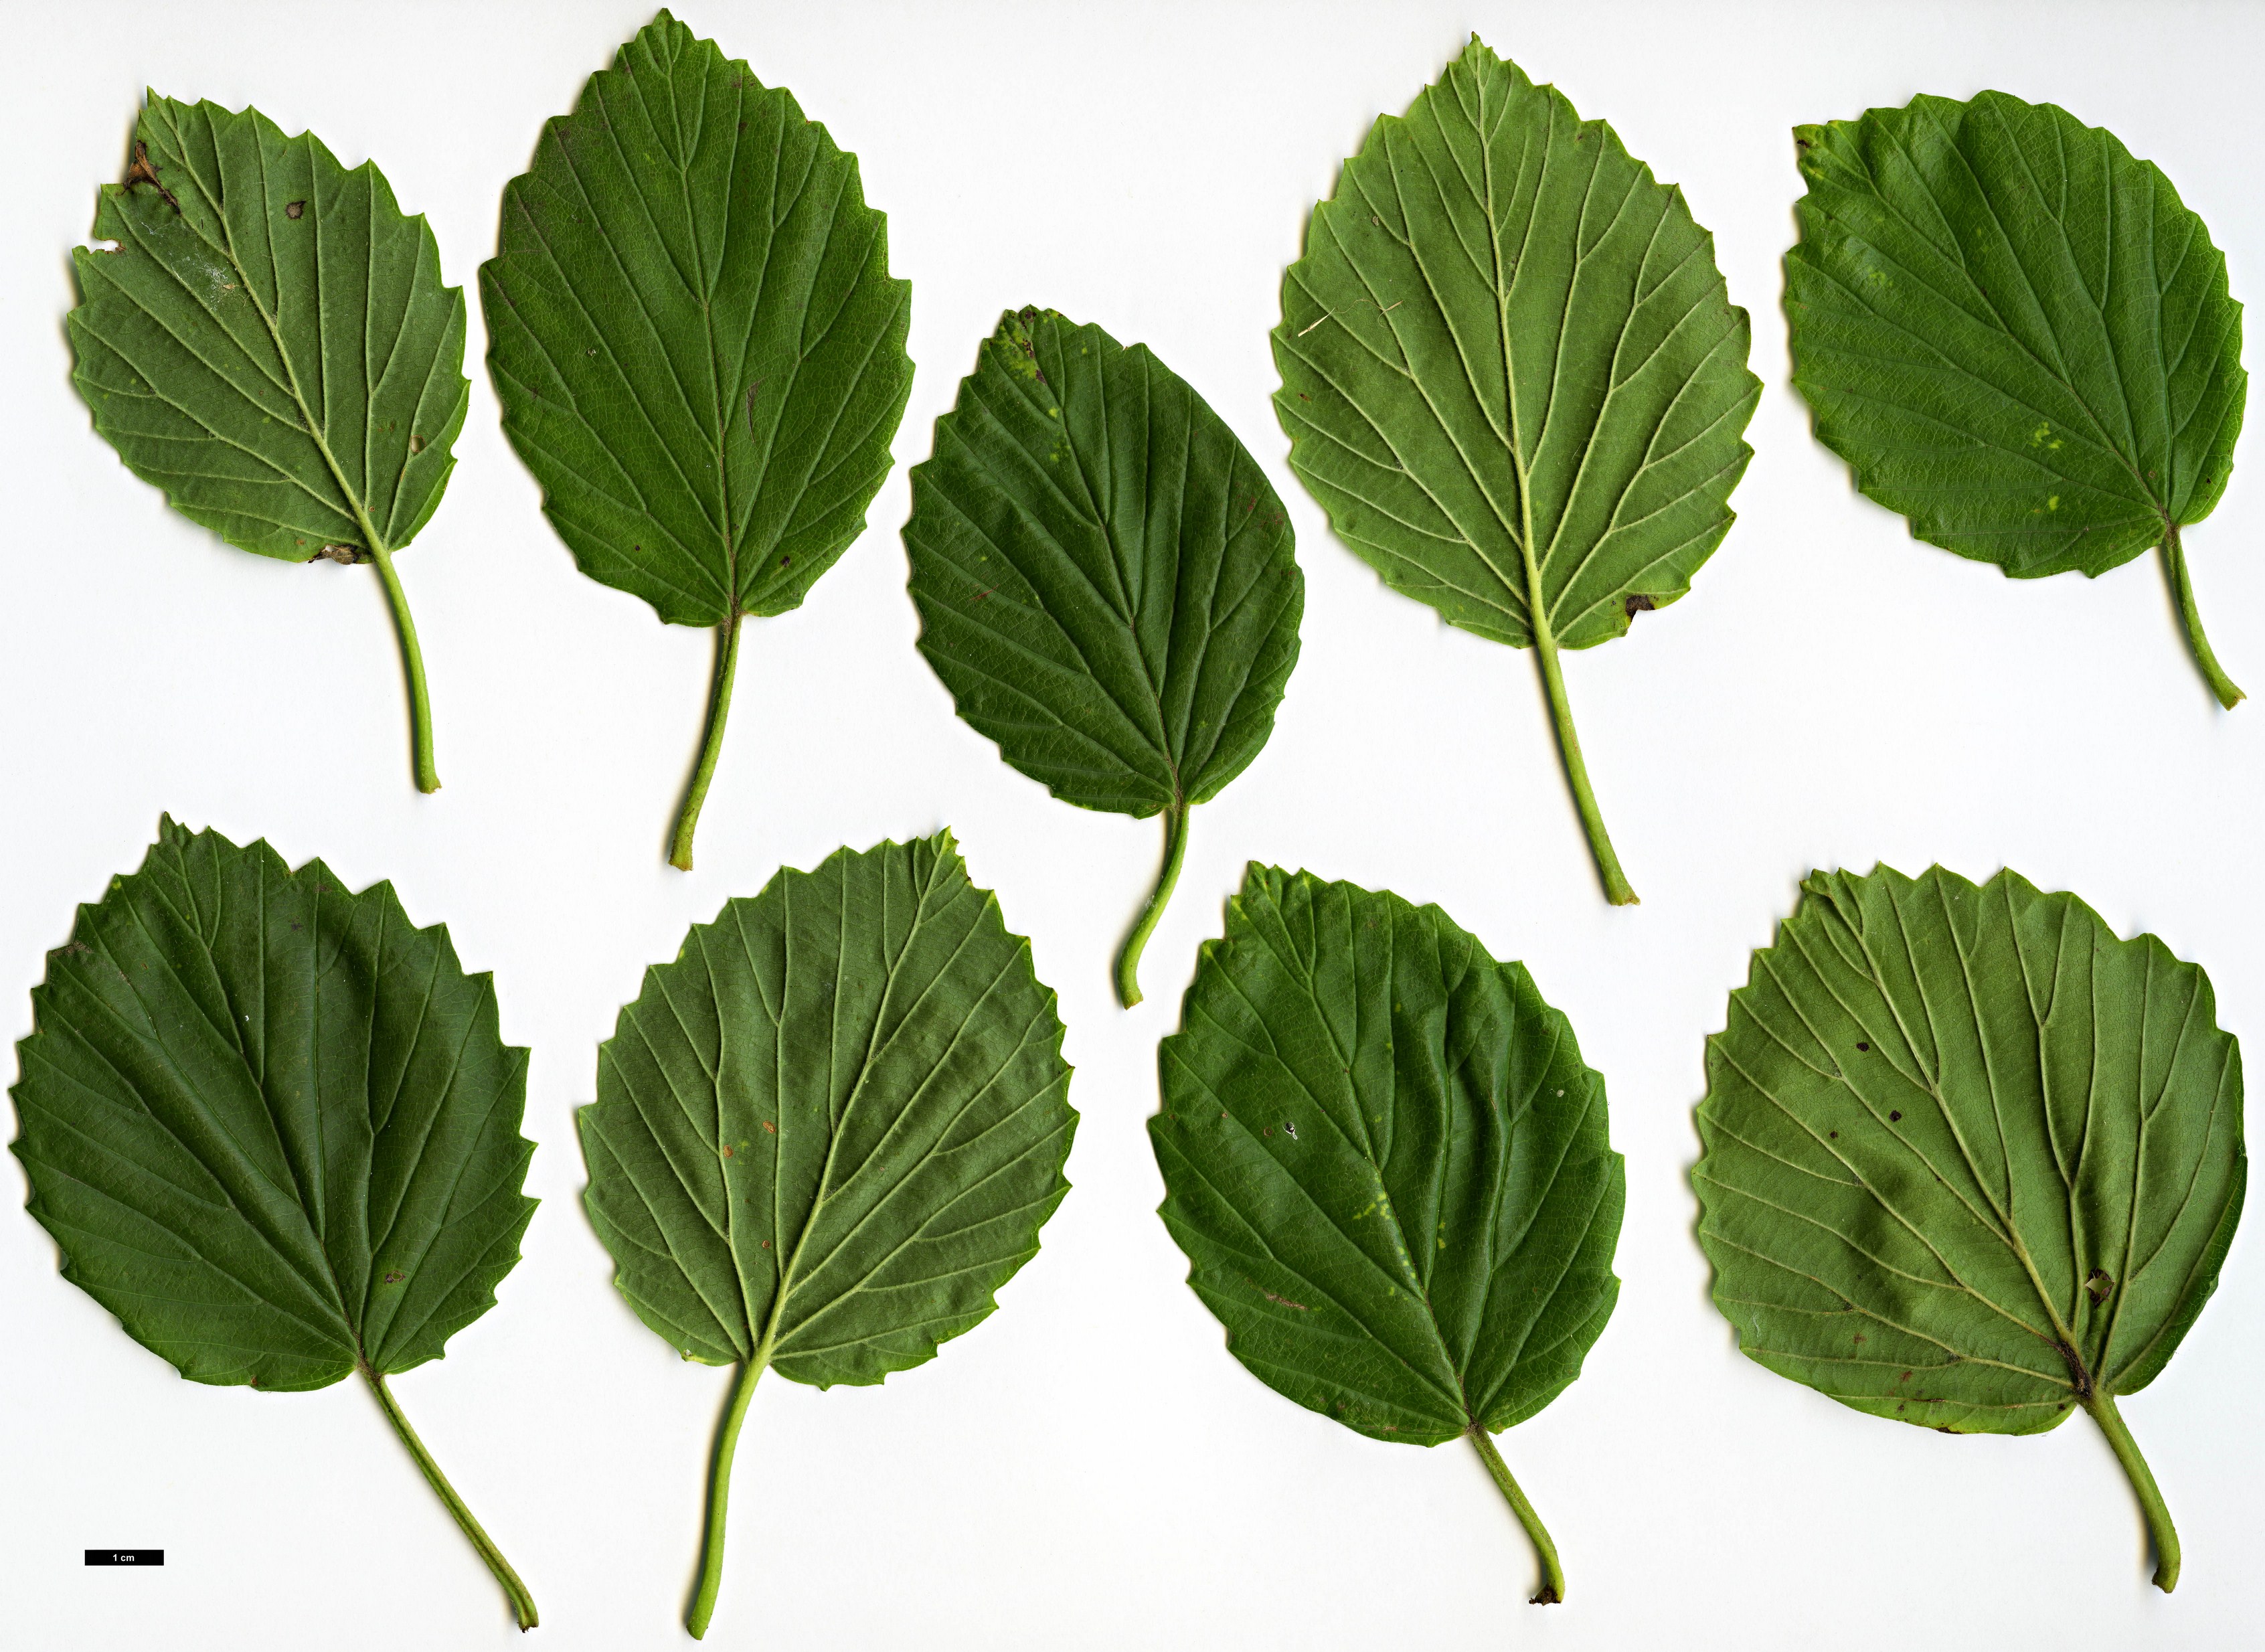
{"x":1106,"y":581}
{"x":831,"y":1129}
{"x":1386,"y":1163}
{"x":695,"y":336}
{"x":1968,"y":1157}
{"x":1507,"y":344}
{"x":270,"y":344}
{"x":2012,"y":332}
{"x":272,"y":1126}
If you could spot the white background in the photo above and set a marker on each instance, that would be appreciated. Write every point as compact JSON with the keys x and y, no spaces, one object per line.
{"x":1089,"y":1469}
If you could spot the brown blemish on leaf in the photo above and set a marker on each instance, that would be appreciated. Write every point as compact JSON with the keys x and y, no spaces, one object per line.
{"x":727,"y":1150}
{"x":770,"y":1127}
{"x":141,"y":172}
{"x":1282,"y":1300}
{"x":2097,"y":1284}
{"x":394,"y":1276}
{"x":416,"y":442}
{"x":346,"y":555}
{"x":1639,"y":603}
{"x":295,"y":209}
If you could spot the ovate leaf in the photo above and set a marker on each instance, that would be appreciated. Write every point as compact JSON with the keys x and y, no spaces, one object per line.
{"x":1513,"y":377}
{"x":2017,"y":336}
{"x":270,"y":344}
{"x":1106,"y":581}
{"x":830,"y":1130}
{"x":1971,"y":1161}
{"x":1390,"y":1169}
{"x":697,"y":344}
{"x":273,"y":1128}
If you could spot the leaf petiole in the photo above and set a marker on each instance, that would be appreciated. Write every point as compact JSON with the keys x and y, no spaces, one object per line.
{"x":1553,"y":1575}
{"x":413,"y":664}
{"x":2164,"y":1535}
{"x":719,"y":709}
{"x":1577,"y":772}
{"x":1176,"y":848}
{"x":2175,"y":563}
{"x":522,"y":1603}
{"x":748,"y":1372}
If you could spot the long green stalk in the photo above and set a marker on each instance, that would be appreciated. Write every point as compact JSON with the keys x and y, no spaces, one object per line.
{"x":719,"y":1498}
{"x":412,"y":665}
{"x":1176,"y":848}
{"x":2174,"y":561}
{"x":522,"y":1603}
{"x":2164,"y":1535}
{"x":711,"y":747}
{"x":1552,"y":1574}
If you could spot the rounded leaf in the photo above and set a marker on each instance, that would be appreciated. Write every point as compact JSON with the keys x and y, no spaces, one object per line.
{"x":1511,"y":372}
{"x":2014,"y":331}
{"x":269,"y":342}
{"x":697,"y":344}
{"x":831,"y":1129}
{"x":1969,"y":1158}
{"x":1106,"y":581}
{"x":1386,"y":1163}
{"x":272,"y":1126}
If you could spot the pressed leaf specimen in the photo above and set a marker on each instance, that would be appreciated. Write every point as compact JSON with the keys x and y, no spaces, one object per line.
{"x":1513,"y":377}
{"x":698,"y":346}
{"x":269,"y":344}
{"x":1106,"y":581}
{"x":2017,"y":336}
{"x":829,"y":1131}
{"x":1971,"y":1161}
{"x":1390,"y":1169}
{"x":273,"y":1129}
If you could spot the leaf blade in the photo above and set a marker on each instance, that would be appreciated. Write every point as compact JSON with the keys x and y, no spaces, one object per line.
{"x":700,"y":351}
{"x":767,"y":1162}
{"x":1447,"y":301}
{"x":1935,"y":1130}
{"x":200,"y":1121}
{"x":1372,"y":1161}
{"x":1106,"y":581}
{"x":2004,"y":380}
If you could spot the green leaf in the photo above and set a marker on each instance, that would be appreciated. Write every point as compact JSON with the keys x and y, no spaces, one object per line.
{"x":1390,"y":1169}
{"x":1512,"y":376}
{"x":2017,"y":336}
{"x":698,"y":347}
{"x":830,"y":1130}
{"x":273,"y":1128}
{"x":271,"y":346}
{"x":1107,"y":583}
{"x":1971,"y":1161}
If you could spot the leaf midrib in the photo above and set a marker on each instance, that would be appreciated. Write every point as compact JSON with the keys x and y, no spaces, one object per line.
{"x":378,"y":549}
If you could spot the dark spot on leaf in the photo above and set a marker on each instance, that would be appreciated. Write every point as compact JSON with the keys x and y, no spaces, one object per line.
{"x":1860,"y":1044}
{"x":1639,"y":603}
{"x":786,"y":560}
{"x":296,"y":209}
{"x":1895,"y":1119}
{"x":394,"y":1276}
{"x":1836,"y":1135}
{"x":416,"y":442}
{"x":141,"y":172}
{"x":767,"y":1244}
